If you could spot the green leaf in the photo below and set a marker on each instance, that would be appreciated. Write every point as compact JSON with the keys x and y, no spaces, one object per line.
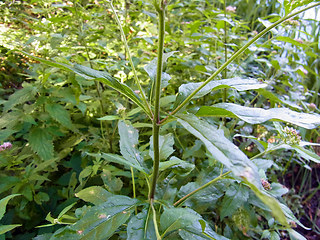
{"x":290,"y":40}
{"x":7,"y":228}
{"x":141,"y":227}
{"x":109,"y":118}
{"x":237,"y":83}
{"x":41,"y":142}
{"x":235,"y":197}
{"x":186,"y":222}
{"x":101,"y":221}
{"x":95,"y":195}
{"x":166,"y":146}
{"x":259,"y":115}
{"x":294,"y":235}
{"x":272,"y":203}
{"x":180,"y":167}
{"x":4,"y":202}
{"x":129,"y":140}
{"x":221,"y":148}
{"x":61,"y":115}
{"x":20,"y":96}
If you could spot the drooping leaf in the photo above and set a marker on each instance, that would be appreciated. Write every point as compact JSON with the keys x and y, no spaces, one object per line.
{"x":221,"y":148}
{"x":259,"y":115}
{"x":237,"y":83}
{"x":141,"y":227}
{"x":234,"y":198}
{"x":41,"y":142}
{"x":101,"y":221}
{"x":7,"y":228}
{"x":20,"y":96}
{"x":95,"y":194}
{"x":166,"y":146}
{"x":61,"y":115}
{"x":4,"y":202}
{"x":186,"y":222}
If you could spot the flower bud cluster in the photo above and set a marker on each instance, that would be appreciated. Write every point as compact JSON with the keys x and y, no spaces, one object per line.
{"x":5,"y":145}
{"x":292,"y":136}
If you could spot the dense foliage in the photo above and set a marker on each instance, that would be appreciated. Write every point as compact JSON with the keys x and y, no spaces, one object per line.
{"x":140,"y":119}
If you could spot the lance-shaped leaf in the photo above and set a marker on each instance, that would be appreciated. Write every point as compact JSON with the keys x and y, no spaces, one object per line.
{"x":91,"y":74}
{"x":141,"y":227}
{"x":237,"y":83}
{"x":221,"y":148}
{"x":259,"y":115}
{"x":101,"y":221}
{"x":186,"y":222}
{"x":4,"y":202}
{"x":166,"y":146}
{"x":151,"y":69}
{"x":179,"y":167}
{"x":129,"y":140}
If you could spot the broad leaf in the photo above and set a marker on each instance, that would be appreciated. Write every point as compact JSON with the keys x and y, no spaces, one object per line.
{"x":4,"y":202}
{"x":41,"y":142}
{"x":166,"y":146}
{"x":95,"y":195}
{"x":129,"y":140}
{"x":237,"y":83}
{"x":61,"y":115}
{"x":221,"y":148}
{"x":141,"y":227}
{"x":101,"y":221}
{"x":20,"y":96}
{"x":235,"y":197}
{"x":186,"y":222}
{"x":259,"y":115}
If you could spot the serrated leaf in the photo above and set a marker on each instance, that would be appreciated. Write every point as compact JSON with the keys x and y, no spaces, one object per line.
{"x":221,"y":148}
{"x":41,"y":143}
{"x":141,"y":227}
{"x":166,"y":146}
{"x":259,"y":115}
{"x":234,"y":198}
{"x":129,"y":140}
{"x":20,"y":96}
{"x":7,"y":228}
{"x":186,"y":222}
{"x":61,"y":115}
{"x":10,"y":119}
{"x":101,"y":221}
{"x":4,"y":202}
{"x":237,"y":83}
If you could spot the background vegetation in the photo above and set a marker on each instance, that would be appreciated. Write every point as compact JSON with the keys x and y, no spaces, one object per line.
{"x":76,"y":134}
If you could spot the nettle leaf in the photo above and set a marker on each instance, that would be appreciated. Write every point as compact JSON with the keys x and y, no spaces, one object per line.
{"x":186,"y":222}
{"x":178,"y":166}
{"x":27,"y":93}
{"x":166,"y":143}
{"x":151,"y":69}
{"x":235,"y":197}
{"x":129,"y":140}
{"x":61,"y":115}
{"x":141,"y":226}
{"x":259,"y":115}
{"x":221,"y":148}
{"x":101,"y":221}
{"x":237,"y":83}
{"x":95,"y":195}
{"x":41,"y":142}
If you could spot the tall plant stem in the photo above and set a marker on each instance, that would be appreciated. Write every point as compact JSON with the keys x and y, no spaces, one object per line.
{"x":234,"y":56}
{"x":156,"y":116}
{"x":225,"y":51}
{"x":144,"y":98}
{"x":181,"y":200}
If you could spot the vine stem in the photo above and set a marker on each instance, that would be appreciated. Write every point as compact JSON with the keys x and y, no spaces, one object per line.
{"x":123,"y":36}
{"x":234,"y":56}
{"x":182,"y":200}
{"x":156,"y":117}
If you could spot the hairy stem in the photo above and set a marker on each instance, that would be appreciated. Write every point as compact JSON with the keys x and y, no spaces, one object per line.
{"x":156,"y":116}
{"x":234,"y":56}
{"x":182,"y":200}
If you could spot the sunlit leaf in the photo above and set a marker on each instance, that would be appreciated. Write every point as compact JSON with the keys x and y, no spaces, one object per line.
{"x":41,"y":142}
{"x":95,"y":194}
